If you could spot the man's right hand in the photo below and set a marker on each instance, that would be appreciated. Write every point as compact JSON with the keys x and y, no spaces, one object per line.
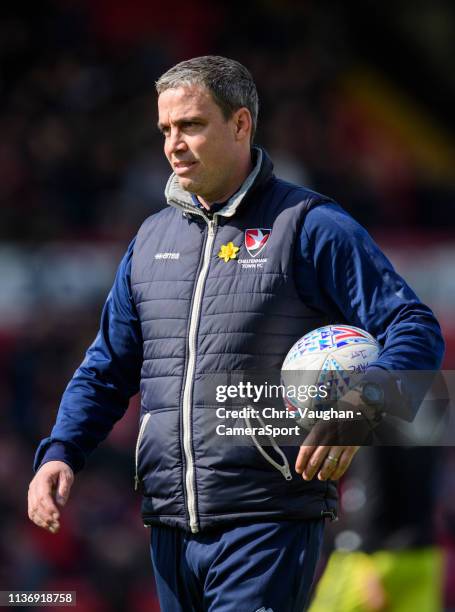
{"x":49,"y":489}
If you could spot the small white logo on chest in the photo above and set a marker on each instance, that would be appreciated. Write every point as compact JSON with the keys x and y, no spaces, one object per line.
{"x":252,"y":264}
{"x":170,"y":255}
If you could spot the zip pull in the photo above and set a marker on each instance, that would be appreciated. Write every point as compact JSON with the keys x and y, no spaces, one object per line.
{"x":287,"y":472}
{"x":284,"y":469}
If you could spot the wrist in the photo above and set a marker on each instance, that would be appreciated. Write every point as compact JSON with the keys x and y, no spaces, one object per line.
{"x":373,"y":401}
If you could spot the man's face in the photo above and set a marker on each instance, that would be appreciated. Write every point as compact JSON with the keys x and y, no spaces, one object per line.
{"x":200,"y":144}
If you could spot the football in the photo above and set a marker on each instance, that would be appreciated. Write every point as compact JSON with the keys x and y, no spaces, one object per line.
{"x":329,"y":361}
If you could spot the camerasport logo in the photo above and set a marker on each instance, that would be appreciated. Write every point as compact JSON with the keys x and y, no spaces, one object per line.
{"x":255,"y":240}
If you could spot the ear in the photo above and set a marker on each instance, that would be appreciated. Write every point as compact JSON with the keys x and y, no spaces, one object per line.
{"x":243,"y":124}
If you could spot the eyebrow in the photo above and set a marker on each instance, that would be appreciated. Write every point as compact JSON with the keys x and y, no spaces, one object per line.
{"x":193,"y":119}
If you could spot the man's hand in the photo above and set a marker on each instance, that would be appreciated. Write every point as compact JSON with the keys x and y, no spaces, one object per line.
{"x":329,"y":461}
{"x":49,"y":489}
{"x":324,"y":450}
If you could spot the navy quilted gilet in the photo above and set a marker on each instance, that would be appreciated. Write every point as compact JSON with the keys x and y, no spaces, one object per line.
{"x":202,"y":316}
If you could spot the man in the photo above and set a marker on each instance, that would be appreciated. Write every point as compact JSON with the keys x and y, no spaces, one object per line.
{"x":228,"y":531}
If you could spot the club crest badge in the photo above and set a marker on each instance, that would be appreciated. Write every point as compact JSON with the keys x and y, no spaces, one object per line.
{"x":255,"y":240}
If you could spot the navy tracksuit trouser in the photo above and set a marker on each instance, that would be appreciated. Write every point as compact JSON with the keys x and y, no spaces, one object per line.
{"x":258,"y":567}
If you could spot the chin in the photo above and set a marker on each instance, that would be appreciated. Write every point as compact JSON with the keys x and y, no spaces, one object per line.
{"x":187,"y":184}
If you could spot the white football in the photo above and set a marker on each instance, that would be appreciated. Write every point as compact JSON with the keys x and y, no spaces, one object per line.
{"x":332,"y":358}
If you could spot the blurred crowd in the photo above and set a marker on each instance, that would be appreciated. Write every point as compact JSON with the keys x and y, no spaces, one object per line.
{"x":81,"y":160}
{"x":80,"y":154}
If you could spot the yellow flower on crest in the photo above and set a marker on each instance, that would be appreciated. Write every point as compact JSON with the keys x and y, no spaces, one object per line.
{"x":228,"y":251}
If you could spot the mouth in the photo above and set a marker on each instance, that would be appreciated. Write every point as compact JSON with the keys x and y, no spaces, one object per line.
{"x":182,"y":167}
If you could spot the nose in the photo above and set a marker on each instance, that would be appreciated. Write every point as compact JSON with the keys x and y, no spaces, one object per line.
{"x":175,"y":142}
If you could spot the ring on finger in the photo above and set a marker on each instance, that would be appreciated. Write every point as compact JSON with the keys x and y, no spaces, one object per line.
{"x":332,"y":459}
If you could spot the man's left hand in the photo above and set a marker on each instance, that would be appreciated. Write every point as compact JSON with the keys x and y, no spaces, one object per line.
{"x":329,"y":462}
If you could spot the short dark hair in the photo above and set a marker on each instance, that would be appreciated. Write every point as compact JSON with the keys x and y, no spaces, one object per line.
{"x":230,"y":83}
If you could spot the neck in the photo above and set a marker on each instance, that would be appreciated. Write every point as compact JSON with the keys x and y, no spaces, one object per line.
{"x":234,"y":185}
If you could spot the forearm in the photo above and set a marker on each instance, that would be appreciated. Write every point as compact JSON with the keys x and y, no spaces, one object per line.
{"x":353,"y":282}
{"x":98,"y":394}
{"x":87,"y":413}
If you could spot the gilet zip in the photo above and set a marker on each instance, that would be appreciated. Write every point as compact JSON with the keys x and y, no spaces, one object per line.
{"x":190,"y":370}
